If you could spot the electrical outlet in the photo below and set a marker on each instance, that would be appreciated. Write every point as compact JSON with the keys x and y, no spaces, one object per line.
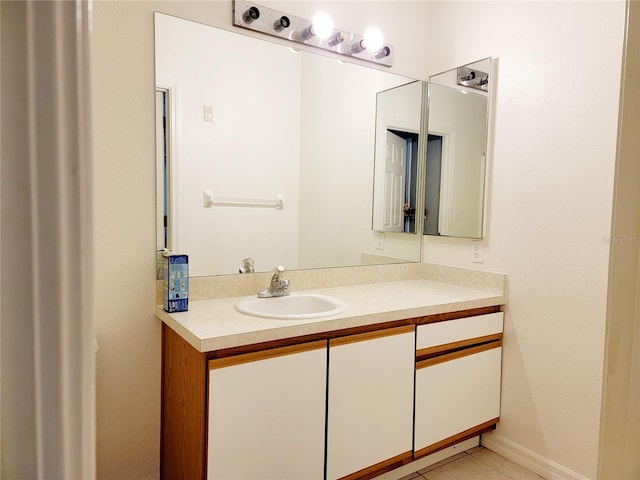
{"x":476,"y":251}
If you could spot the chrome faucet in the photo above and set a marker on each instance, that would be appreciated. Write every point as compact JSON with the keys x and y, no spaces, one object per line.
{"x":279,"y":287}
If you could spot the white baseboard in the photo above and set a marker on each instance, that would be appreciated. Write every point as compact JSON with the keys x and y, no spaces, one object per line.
{"x":528,"y":459}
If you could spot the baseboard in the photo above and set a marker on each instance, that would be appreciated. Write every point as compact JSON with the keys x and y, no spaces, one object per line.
{"x":528,"y":459}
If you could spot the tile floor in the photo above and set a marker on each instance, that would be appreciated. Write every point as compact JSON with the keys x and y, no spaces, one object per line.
{"x":477,"y":463}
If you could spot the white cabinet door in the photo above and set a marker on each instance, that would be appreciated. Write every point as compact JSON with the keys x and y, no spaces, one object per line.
{"x":456,"y":395}
{"x":370,"y":411}
{"x":267,"y":414}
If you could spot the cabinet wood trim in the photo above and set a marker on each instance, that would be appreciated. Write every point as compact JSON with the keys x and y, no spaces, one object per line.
{"x":361,"y":337}
{"x":242,"y":349}
{"x":425,"y":353}
{"x":382,"y":467}
{"x":442,"y":317}
{"x":265,"y":354}
{"x":457,"y":354}
{"x":183,"y":443}
{"x":447,"y":442}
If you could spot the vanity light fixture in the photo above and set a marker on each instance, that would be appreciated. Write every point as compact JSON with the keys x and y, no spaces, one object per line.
{"x":336,"y":39}
{"x":319,"y":33}
{"x":357,"y":47}
{"x":281,"y":23}
{"x":383,"y":52}
{"x":250,"y":15}
{"x":372,"y":42}
{"x":322,"y":27}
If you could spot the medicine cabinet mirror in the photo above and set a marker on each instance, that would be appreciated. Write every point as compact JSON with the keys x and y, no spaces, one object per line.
{"x":266,"y":152}
{"x":398,"y":158}
{"x":456,"y":150}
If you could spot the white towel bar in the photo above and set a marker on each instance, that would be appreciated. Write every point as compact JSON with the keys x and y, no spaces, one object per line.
{"x":210,"y":200}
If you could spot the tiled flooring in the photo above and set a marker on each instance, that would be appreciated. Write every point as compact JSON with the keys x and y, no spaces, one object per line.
{"x":475,"y":464}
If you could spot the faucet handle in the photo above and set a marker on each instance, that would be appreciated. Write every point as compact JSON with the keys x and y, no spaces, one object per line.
{"x":278,"y":273}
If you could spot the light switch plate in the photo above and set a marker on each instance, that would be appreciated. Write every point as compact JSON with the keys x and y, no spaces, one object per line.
{"x":208,"y":113}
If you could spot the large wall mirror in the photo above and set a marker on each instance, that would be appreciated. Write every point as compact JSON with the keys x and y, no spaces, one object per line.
{"x":456,"y":150}
{"x":268,"y":153}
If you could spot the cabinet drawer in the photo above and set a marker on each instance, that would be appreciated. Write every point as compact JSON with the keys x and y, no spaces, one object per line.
{"x":455,"y":396}
{"x":459,"y":330}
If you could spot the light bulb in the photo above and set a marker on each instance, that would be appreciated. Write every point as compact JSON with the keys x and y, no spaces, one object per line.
{"x":373,"y":39}
{"x":322,"y":25}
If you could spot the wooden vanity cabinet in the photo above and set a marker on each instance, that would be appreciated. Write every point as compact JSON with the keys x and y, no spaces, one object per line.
{"x":332,"y":405}
{"x":458,"y":374}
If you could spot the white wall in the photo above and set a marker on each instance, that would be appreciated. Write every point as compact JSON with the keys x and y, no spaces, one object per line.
{"x":549,"y":205}
{"x":128,"y":363}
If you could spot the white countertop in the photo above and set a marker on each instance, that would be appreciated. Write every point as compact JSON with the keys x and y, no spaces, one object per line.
{"x":216,"y":324}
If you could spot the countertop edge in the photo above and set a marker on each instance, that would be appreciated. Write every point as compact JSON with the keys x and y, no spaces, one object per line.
{"x":326,"y":325}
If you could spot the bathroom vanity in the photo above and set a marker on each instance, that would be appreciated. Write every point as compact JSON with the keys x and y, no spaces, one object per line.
{"x":410,"y":368}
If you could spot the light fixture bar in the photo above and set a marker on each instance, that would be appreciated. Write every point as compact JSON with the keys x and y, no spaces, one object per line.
{"x":299,"y":30}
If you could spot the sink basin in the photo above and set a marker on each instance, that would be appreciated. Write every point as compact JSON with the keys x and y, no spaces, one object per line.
{"x":293,"y":306}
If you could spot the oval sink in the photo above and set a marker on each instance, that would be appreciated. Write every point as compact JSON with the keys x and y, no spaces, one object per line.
{"x":295,"y":305}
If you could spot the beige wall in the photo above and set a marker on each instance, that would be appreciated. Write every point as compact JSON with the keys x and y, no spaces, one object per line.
{"x":549,"y":212}
{"x":128,"y":363}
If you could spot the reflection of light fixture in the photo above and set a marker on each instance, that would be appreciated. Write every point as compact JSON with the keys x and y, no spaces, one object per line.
{"x":319,"y":33}
{"x":281,"y":24}
{"x":251,"y":14}
{"x":470,"y":77}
